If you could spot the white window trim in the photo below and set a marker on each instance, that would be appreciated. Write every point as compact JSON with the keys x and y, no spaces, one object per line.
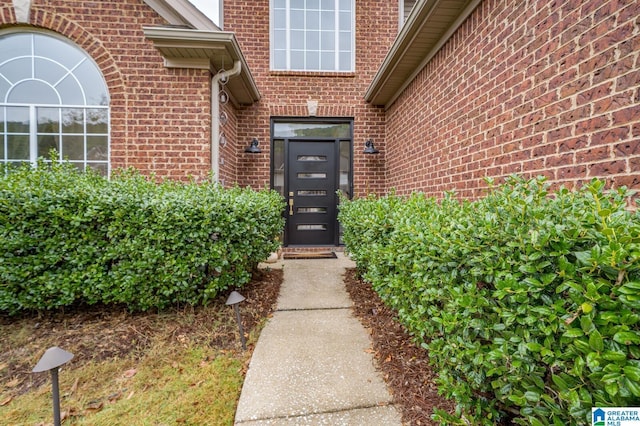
{"x":33,"y":119}
{"x":288,"y":68}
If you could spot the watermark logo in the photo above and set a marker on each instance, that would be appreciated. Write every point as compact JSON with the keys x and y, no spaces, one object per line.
{"x":615,"y":416}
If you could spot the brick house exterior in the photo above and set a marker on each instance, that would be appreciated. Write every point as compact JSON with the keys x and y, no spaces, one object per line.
{"x":338,"y":95}
{"x":160,"y":115}
{"x":536,"y":87}
{"x":459,"y":91}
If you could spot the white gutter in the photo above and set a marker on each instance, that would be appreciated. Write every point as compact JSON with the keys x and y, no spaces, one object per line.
{"x":215,"y":116}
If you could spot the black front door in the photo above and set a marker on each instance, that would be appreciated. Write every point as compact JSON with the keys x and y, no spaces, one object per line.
{"x":311,"y":192}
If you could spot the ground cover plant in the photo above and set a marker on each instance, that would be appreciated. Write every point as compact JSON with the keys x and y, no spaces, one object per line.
{"x":178,"y":366}
{"x":527,"y":300}
{"x":71,"y":238}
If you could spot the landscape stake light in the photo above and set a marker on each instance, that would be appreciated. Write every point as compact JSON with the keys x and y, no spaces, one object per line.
{"x":52,"y":359}
{"x":234,"y":300}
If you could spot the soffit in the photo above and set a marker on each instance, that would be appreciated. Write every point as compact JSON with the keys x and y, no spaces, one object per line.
{"x":212,"y":50}
{"x":427,"y":28}
{"x":182,"y":13}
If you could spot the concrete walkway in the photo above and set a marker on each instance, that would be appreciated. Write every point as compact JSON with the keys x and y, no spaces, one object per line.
{"x":311,"y":365}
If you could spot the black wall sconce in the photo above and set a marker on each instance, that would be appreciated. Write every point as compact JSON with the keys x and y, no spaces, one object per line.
{"x":369,"y":147}
{"x":253,"y":148}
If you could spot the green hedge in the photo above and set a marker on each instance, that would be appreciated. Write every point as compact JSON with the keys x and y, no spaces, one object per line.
{"x":527,"y":301}
{"x":69,"y":237}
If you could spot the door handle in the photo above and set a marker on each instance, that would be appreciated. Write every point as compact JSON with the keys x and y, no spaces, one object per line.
{"x":290,"y":206}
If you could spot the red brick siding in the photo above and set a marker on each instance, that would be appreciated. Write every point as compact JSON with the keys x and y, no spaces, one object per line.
{"x":160,"y":118}
{"x":286,"y":94}
{"x":535,"y":87}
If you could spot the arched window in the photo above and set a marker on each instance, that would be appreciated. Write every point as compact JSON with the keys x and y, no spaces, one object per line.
{"x":52,"y":97}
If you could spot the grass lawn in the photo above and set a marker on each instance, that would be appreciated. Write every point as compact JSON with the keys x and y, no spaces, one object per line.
{"x":179,"y":367}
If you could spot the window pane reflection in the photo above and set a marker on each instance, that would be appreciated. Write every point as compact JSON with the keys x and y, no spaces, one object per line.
{"x":17,"y":119}
{"x":47,"y":144}
{"x":17,"y":147}
{"x":97,"y":148}
{"x":33,"y":92}
{"x":333,"y":130}
{"x":48,"y":70}
{"x":48,"y":120}
{"x":303,"y":35}
{"x":73,"y":147}
{"x":14,"y":46}
{"x":73,"y":120}
{"x":68,"y":55}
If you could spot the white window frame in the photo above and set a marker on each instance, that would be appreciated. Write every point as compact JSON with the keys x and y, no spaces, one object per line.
{"x":351,"y":67}
{"x":33,"y":133}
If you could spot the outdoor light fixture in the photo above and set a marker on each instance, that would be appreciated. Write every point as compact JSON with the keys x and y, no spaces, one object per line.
{"x":369,"y":148}
{"x":52,"y":359}
{"x":234,"y":300}
{"x":253,"y":148}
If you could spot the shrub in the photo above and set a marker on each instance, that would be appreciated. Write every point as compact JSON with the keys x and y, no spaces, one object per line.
{"x":68,"y":237}
{"x":527,"y":301}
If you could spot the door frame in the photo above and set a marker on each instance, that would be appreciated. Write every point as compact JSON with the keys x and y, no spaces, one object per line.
{"x":347,"y":190}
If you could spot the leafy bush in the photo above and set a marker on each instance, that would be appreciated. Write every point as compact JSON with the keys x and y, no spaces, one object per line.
{"x":528,"y":302}
{"x":67,"y":237}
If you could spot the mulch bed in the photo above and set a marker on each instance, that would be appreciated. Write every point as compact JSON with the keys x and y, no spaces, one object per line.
{"x":405,"y":366}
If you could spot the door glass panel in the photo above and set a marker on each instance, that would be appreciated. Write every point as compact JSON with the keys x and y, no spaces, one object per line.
{"x":278,"y":166}
{"x":312,"y":158}
{"x":312,"y":209}
{"x":345,"y":168}
{"x":312,"y":227}
{"x":307,"y":193}
{"x":308,"y":175}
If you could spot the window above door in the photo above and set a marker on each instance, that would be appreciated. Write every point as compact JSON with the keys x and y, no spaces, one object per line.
{"x":312,"y":35}
{"x":404,"y":9}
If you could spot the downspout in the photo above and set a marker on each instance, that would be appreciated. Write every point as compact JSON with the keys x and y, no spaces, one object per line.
{"x":215,"y":116}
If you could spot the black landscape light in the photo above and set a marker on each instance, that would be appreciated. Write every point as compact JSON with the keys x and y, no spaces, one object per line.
{"x":52,"y":359}
{"x":253,"y":148}
{"x":369,"y":147}
{"x":234,"y":300}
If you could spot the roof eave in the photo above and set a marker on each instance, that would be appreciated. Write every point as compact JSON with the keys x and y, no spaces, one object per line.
{"x":182,"y":13}
{"x":398,"y":68}
{"x":213,"y":50}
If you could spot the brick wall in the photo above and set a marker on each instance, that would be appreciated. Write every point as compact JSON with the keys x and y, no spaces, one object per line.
{"x":285,"y":94}
{"x":534,"y":87}
{"x":160,"y":118}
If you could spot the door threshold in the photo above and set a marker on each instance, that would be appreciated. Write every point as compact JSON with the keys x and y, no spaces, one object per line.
{"x":310,"y":255}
